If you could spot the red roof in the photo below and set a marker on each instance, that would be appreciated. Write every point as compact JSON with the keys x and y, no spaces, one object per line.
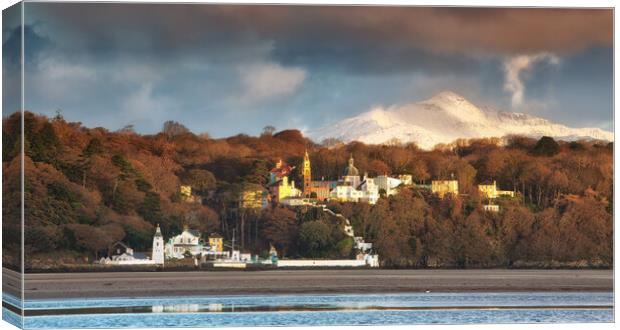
{"x":283,"y":170}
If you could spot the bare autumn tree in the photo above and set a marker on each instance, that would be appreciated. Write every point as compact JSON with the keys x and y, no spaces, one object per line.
{"x":494,"y":163}
{"x":419,"y":171}
{"x":585,"y":229}
{"x":268,"y":130}
{"x":465,"y":174}
{"x":515,"y":234}
{"x":94,"y":239}
{"x":399,"y":159}
{"x":174,"y":128}
{"x":127,"y":129}
{"x":470,"y":245}
{"x":391,"y":240}
{"x":200,"y":180}
{"x":378,"y":167}
{"x":279,"y":227}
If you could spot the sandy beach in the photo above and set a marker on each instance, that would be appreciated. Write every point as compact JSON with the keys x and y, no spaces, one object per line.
{"x":144,"y":284}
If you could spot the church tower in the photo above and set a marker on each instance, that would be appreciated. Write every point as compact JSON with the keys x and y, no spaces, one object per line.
{"x":158,"y":247}
{"x":307,"y":188}
{"x":351,"y":174}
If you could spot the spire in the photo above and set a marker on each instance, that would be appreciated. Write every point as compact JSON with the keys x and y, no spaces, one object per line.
{"x":158,"y":231}
{"x":351,"y":170}
{"x":306,"y":163}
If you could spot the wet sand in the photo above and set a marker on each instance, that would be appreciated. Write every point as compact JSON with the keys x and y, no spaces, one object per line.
{"x":145,"y":284}
{"x":11,"y":282}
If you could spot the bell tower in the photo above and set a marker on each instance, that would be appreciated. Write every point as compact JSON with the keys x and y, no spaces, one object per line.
{"x":158,"y":247}
{"x":307,"y":188}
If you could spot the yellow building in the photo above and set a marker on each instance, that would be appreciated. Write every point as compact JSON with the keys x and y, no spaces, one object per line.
{"x":490,"y":191}
{"x":283,"y":189}
{"x":217,"y":242}
{"x":253,"y":199}
{"x":443,"y":187}
{"x":406,"y":179}
{"x":186,"y":191}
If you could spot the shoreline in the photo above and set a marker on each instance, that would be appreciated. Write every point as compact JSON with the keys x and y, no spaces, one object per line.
{"x":192,"y":268}
{"x":275,"y":282}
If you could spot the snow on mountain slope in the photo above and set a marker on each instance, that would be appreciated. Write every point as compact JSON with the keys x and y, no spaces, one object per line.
{"x":444,"y":118}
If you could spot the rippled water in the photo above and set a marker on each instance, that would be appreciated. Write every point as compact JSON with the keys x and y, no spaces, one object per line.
{"x":349,"y":309}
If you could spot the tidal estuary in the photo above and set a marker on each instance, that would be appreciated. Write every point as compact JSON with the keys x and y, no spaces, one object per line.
{"x":315,"y":309}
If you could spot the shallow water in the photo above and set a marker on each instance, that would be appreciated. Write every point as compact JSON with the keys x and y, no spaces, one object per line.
{"x":349,"y":309}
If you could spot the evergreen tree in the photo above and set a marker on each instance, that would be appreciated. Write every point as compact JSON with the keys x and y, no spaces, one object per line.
{"x":546,"y":146}
{"x":150,"y":209}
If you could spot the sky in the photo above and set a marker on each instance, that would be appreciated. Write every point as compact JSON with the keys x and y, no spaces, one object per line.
{"x":226,"y":69}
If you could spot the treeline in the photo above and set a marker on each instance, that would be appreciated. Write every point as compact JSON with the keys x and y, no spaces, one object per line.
{"x":416,"y":229}
{"x":86,"y":188}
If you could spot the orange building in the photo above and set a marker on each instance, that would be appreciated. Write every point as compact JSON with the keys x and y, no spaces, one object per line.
{"x":322,"y":189}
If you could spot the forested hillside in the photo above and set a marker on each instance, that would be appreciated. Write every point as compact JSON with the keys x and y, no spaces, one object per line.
{"x":86,"y":188}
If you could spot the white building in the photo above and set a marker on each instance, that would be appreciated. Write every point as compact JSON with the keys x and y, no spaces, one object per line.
{"x":491,"y":207}
{"x":297,"y":201}
{"x":367,"y":192}
{"x":365,"y":261}
{"x":369,"y":189}
{"x":186,"y":242}
{"x":361,"y":245}
{"x":352,"y":189}
{"x":346,"y":193}
{"x":372,"y":260}
{"x":388,"y":184}
{"x":121,"y":254}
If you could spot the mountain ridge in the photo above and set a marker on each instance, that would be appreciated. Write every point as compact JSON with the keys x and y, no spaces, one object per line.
{"x":444,"y":118}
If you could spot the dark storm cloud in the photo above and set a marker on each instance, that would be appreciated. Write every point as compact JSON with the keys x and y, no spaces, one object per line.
{"x":36,"y":43}
{"x":370,"y":57}
{"x":402,"y":37}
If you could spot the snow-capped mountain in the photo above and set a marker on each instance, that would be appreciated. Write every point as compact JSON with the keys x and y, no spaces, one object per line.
{"x":444,"y":118}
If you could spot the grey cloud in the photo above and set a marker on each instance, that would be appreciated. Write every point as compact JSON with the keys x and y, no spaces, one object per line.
{"x":503,"y":30}
{"x":369,"y":40}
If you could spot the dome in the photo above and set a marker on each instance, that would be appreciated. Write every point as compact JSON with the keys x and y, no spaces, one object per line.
{"x":351,"y":170}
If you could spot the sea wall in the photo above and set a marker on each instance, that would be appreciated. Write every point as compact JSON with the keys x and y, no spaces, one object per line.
{"x":322,"y":263}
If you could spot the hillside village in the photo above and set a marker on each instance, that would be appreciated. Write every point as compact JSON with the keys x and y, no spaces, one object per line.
{"x":350,"y":187}
{"x":118,"y":197}
{"x":280,"y":191}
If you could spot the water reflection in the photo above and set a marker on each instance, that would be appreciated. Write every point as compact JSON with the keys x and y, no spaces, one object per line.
{"x":221,"y":308}
{"x":188,"y":308}
{"x":354,"y":309}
